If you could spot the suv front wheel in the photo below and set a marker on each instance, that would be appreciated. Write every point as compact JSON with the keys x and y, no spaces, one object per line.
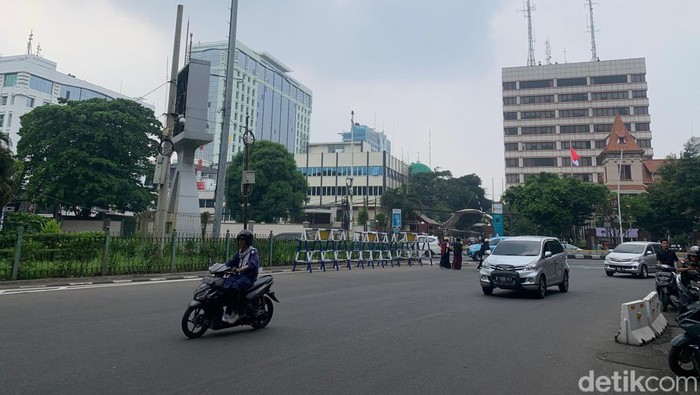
{"x":542,"y":287}
{"x":487,"y":290}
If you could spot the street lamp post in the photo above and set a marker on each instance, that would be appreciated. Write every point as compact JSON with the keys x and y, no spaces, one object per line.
{"x":348,"y":194}
{"x":248,"y":177}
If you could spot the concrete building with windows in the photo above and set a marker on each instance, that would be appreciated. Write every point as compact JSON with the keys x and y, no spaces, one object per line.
{"x":328,"y":167}
{"x":549,"y":108}
{"x":376,"y":140}
{"x":28,"y":81}
{"x":277,"y":106}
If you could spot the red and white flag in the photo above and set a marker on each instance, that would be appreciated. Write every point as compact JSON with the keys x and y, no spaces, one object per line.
{"x":574,"y":156}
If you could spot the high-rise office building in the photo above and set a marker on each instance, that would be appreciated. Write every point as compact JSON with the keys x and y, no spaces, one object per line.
{"x":28,"y":81}
{"x":278,"y":107}
{"x":549,"y":108}
{"x":377,"y":140}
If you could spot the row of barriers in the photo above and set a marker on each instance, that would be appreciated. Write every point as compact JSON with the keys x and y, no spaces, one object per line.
{"x":641,"y":321}
{"x":332,"y":246}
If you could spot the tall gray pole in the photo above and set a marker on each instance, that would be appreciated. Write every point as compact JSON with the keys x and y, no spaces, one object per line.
{"x":161,"y":205}
{"x":228,"y":101}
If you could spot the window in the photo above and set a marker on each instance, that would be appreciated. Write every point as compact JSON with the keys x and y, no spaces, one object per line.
{"x":610,"y":112}
{"x":508,"y":116}
{"x":536,"y":114}
{"x":508,"y":86}
{"x":2,"y":119}
{"x":644,"y":143}
{"x":512,"y":162}
{"x":582,"y":161}
{"x":580,"y":144}
{"x":40,"y":84}
{"x":573,"y":129}
{"x":625,"y":172}
{"x":511,"y":146}
{"x":536,"y":99}
{"x":510,"y":100}
{"x":539,"y":162}
{"x":639,"y":78}
{"x":10,"y":80}
{"x":573,"y":97}
{"x":579,"y":176}
{"x":510,"y":131}
{"x":572,"y":81}
{"x":641,"y":126}
{"x":536,"y":146}
{"x":538,"y":130}
{"x":639,"y":94}
{"x":641,"y":110}
{"x":602,"y":127}
{"x":512,"y":178}
{"x":536,"y":84}
{"x":575,"y":113}
{"x":609,"y":79}
{"x":610,"y":95}
{"x":600,"y":143}
{"x":30,"y":102}
{"x":3,"y":100}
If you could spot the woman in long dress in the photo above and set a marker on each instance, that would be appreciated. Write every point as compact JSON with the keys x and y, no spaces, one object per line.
{"x":445,"y":254}
{"x":457,"y":251}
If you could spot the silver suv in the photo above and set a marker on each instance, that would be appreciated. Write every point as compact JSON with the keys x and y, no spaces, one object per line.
{"x":526,"y":263}
{"x":633,"y":257}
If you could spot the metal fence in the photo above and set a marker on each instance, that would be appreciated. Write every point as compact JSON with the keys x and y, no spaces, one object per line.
{"x":31,"y":256}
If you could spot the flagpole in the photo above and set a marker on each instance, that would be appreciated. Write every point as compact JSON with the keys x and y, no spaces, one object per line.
{"x":572,"y":161}
{"x":619,"y":208}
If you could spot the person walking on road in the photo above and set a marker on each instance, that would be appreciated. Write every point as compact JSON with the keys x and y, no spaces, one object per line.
{"x":445,"y":253}
{"x":482,"y":251}
{"x":457,"y":250}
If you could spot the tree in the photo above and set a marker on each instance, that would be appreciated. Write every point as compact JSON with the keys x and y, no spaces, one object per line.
{"x":363,"y":217}
{"x":7,"y":170}
{"x":549,"y":205}
{"x":279,"y":190}
{"x":92,"y":153}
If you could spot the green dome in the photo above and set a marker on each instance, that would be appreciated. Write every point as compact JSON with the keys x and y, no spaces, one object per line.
{"x":417,"y":168}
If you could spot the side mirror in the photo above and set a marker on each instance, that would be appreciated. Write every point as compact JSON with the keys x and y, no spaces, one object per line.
{"x":547,"y":254}
{"x":650,"y":252}
{"x":487,"y":252}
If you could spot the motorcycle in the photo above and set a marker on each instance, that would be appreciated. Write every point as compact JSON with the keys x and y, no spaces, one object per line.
{"x":666,"y":286}
{"x":687,"y":294}
{"x":207,"y":307}
{"x":684,"y":357}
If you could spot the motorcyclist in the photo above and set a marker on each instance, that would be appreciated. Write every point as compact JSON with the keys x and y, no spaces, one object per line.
{"x":690,"y":269}
{"x":244,"y":268}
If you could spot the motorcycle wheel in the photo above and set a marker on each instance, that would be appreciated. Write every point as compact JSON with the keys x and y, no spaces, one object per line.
{"x":665,"y":299}
{"x":264,"y":319}
{"x":680,"y":360}
{"x":193,"y":322}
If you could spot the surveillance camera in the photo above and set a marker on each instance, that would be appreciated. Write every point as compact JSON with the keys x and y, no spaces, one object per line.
{"x":181,"y":119}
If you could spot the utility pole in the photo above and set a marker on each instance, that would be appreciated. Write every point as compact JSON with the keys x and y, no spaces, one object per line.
{"x":248,"y":177}
{"x":226,"y":127}
{"x":352,"y":163}
{"x":161,"y":205}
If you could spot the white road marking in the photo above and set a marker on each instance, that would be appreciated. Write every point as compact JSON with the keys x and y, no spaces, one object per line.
{"x":18,"y":291}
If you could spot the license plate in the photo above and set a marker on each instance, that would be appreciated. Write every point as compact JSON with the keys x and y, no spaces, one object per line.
{"x":504,"y":279}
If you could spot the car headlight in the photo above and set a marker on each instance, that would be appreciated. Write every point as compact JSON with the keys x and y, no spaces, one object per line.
{"x":532,"y":266}
{"x":486,"y":265}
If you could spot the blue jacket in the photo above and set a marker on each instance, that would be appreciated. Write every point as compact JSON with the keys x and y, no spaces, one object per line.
{"x":245,"y":280}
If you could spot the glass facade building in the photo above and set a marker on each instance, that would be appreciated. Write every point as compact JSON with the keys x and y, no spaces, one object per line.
{"x":377,"y":140}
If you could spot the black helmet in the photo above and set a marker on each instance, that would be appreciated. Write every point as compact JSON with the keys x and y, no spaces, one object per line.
{"x":694,"y":251}
{"x":246,"y":235}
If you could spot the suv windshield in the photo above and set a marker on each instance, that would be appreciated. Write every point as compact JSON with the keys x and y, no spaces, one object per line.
{"x":518,"y":247}
{"x":630,"y":248}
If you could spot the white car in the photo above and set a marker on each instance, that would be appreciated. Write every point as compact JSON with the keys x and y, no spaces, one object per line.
{"x":428,"y":243}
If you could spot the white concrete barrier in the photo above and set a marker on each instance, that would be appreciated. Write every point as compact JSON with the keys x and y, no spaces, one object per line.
{"x":634,"y":324}
{"x":655,"y":319}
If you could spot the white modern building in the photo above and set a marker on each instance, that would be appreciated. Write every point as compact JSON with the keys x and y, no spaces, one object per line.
{"x":278,"y":106}
{"x":549,"y":108}
{"x":329,"y":167}
{"x":28,"y":81}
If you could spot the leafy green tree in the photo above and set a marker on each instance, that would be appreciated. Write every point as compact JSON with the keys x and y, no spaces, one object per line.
{"x":91,"y":153}
{"x":381,"y":220}
{"x":400,"y":198}
{"x":7,"y":170}
{"x":279,"y":190}
{"x":674,"y":199}
{"x":363,"y":217}
{"x":547,"y":204}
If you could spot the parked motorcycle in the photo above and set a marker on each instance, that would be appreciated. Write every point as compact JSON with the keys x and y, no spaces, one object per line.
{"x":666,"y":286}
{"x":684,"y":357}
{"x":687,"y":293}
{"x":207,"y":308}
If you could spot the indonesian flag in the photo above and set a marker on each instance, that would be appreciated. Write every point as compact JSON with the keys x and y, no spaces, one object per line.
{"x":574,"y":156}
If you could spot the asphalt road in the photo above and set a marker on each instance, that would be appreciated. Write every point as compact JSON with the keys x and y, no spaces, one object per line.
{"x":373,"y":331}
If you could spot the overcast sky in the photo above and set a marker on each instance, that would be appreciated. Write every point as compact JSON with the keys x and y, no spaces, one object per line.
{"x":406,"y":67}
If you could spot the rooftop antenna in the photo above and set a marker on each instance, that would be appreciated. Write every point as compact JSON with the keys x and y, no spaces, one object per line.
{"x":29,"y":43}
{"x":529,"y":7}
{"x":594,"y":53}
{"x":564,"y":55}
{"x":548,"y":52}
{"x":38,"y":49}
{"x":187,"y":36}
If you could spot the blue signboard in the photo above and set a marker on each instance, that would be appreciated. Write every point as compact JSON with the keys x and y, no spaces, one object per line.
{"x":396,"y":220}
